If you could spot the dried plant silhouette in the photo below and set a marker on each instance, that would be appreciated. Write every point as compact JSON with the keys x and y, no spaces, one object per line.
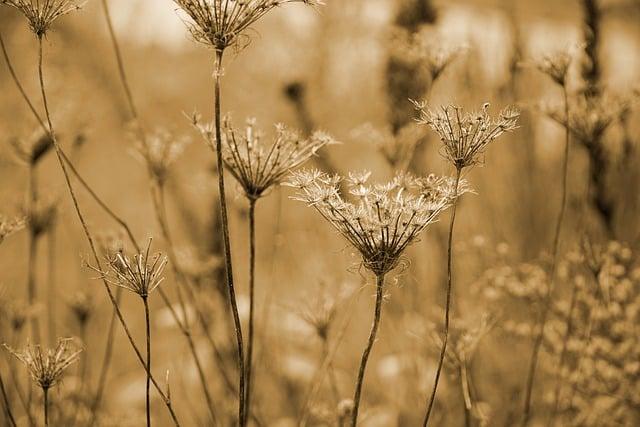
{"x":504,"y":290}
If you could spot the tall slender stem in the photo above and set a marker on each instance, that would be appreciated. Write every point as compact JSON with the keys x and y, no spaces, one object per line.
{"x":51,"y":283}
{"x":148,"y":331}
{"x":32,"y":261}
{"x":252,"y":277}
{"x":89,"y":237}
{"x":7,"y":404}
{"x":226,"y":241}
{"x":365,"y":355}
{"x":537,"y":345}
{"x":45,"y":392}
{"x":161,"y":213}
{"x":447,"y":308}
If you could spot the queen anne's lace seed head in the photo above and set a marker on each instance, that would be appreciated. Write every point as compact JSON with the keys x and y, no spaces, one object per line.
{"x":223,"y":23}
{"x":383,"y":219}
{"x":159,"y":151}
{"x":42,"y":13}
{"x":258,"y":165}
{"x":466,"y":135}
{"x":46,"y":366}
{"x":140,"y":275}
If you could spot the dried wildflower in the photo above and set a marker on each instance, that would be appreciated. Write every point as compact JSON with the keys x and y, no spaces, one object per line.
{"x":140,"y":275}
{"x":258,"y":166}
{"x":321,"y":313}
{"x":8,"y":226}
{"x":46,"y":366}
{"x":18,"y":313}
{"x":466,"y":135}
{"x":81,"y":305}
{"x":556,"y":65}
{"x":42,"y":13}
{"x":33,"y":150}
{"x":41,"y":215}
{"x":223,"y":23}
{"x":385,"y":219}
{"x":159,"y":150}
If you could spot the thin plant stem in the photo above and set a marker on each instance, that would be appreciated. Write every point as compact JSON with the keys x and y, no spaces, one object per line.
{"x":183,"y":325}
{"x":7,"y":404}
{"x":367,"y":351}
{"x":106,"y":362}
{"x":447,"y":308}
{"x":45,"y":403}
{"x":252,"y":278}
{"x":119,"y":61}
{"x":32,"y":260}
{"x":226,"y":240}
{"x":51,"y":284}
{"x":89,"y":237}
{"x":537,"y":345}
{"x":148,"y":331}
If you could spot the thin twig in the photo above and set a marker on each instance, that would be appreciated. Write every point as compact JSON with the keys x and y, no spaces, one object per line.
{"x":252,"y":273}
{"x":226,"y":240}
{"x":367,"y":351}
{"x":447,"y":309}
{"x":547,"y":303}
{"x":7,"y":404}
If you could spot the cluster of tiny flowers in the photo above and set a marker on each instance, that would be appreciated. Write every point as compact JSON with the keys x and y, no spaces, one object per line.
{"x":383,"y":219}
{"x":466,"y":135}
{"x":42,"y":13}
{"x":430,"y":53}
{"x":46,"y":366}
{"x":602,"y":362}
{"x":258,"y":166}
{"x":8,"y":226}
{"x":140,"y":275}
{"x":222,"y":23}
{"x":81,"y":305}
{"x":160,"y":150}
{"x":556,"y":65}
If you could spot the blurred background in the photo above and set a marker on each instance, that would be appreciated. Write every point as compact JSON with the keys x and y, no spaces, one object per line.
{"x":348,"y":68}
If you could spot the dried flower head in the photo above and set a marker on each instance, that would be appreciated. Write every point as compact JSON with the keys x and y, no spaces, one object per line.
{"x":46,"y":366}
{"x":466,"y":135}
{"x":556,"y":65}
{"x":41,"y":215}
{"x":31,"y":151}
{"x":258,"y":166}
{"x":42,"y":13}
{"x":8,"y":226}
{"x":159,"y":151}
{"x":384,"y":219}
{"x":81,"y":305}
{"x":140,"y":275}
{"x":17,"y":313}
{"x":223,"y":23}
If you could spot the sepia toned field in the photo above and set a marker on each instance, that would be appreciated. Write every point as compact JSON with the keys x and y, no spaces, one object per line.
{"x":319,"y":213}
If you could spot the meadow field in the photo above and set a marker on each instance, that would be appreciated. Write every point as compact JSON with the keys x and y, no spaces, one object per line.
{"x":319,"y":213}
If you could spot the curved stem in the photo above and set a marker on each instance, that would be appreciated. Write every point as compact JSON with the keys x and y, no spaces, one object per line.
{"x":535,"y":353}
{"x":226,"y":241}
{"x":447,"y":309}
{"x":252,"y":273}
{"x":367,"y":350}
{"x":148,"y":331}
{"x":7,"y":404}
{"x":161,"y":214}
{"x":32,"y":260}
{"x":89,"y":237}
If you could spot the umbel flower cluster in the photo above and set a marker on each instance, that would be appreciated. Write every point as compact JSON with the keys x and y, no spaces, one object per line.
{"x":257,"y":165}
{"x":140,"y":275}
{"x":46,"y":366}
{"x":222,"y":23}
{"x":465,"y":136}
{"x":385,"y":218}
{"x":42,"y":13}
